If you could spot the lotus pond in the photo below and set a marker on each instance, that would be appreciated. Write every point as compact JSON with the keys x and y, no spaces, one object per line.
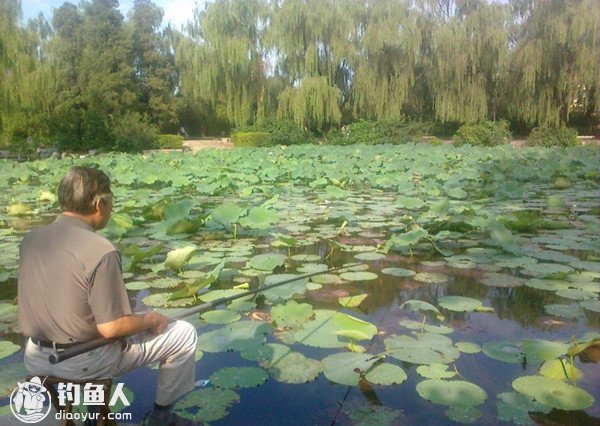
{"x":475,"y":299}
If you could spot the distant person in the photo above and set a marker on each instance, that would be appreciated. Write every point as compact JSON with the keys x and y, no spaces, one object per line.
{"x":183,"y":133}
{"x":71,"y":291}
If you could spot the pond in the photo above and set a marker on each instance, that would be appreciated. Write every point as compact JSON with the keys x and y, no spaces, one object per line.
{"x":478,"y":271}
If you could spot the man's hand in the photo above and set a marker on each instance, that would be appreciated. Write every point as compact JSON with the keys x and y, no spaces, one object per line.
{"x":160,"y":322}
{"x":132,"y":324}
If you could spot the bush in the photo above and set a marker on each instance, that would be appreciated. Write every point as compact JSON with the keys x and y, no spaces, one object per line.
{"x":553,"y":136}
{"x":251,"y":138}
{"x":434,"y":141}
{"x":283,"y":132}
{"x":168,"y":142}
{"x":377,"y":132}
{"x":133,"y":132}
{"x":486,"y":133}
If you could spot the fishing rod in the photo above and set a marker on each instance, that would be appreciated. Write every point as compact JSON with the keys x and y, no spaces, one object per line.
{"x":72,"y":351}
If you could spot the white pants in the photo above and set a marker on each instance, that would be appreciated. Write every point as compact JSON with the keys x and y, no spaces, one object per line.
{"x":174,"y":350}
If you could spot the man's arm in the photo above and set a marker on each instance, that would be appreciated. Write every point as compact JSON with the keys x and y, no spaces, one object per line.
{"x":132,"y":324}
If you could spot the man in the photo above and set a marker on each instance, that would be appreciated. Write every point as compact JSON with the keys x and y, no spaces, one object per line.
{"x":71,"y":290}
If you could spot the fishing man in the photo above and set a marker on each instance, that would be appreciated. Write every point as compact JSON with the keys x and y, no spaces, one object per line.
{"x":71,"y":290}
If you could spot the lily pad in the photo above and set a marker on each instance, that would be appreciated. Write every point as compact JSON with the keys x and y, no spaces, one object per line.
{"x":550,"y":285}
{"x":284,"y":291}
{"x":435,"y":371}
{"x":326,"y":330}
{"x":259,"y":218}
{"x":346,"y":368}
{"x":369,"y":256}
{"x":137,"y":285}
{"x":206,"y":405}
{"x":464,"y":414}
{"x":504,"y":350}
{"x":418,"y":326}
{"x":326,"y":279}
{"x":237,"y":336}
{"x":8,"y":348}
{"x":292,"y":315}
{"x":386,"y":374}
{"x":453,"y":392}
{"x":306,"y":257}
{"x":514,"y":407}
{"x":559,"y":369}
{"x":468,"y":347}
{"x":241,"y":377}
{"x":430,"y":277}
{"x":591,"y":305}
{"x":542,"y":270}
{"x":544,"y":350}
{"x":459,"y":303}
{"x":553,"y":393}
{"x":425,"y":348}
{"x":358,"y":276}
{"x":565,"y":311}
{"x":352,"y":301}
{"x":293,"y":367}
{"x":10,"y":374}
{"x":398,"y":272}
{"x":266,"y":262}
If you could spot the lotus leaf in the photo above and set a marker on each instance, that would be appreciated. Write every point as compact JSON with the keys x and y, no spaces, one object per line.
{"x":163,"y":283}
{"x":504,"y":350}
{"x":542,"y":270}
{"x":326,"y":279}
{"x":293,"y":367}
{"x":358,"y":276}
{"x":243,"y":377}
{"x":206,"y":405}
{"x":419,"y":305}
{"x":468,"y":347}
{"x":460,"y":303}
{"x":435,"y":371}
{"x":410,"y":203}
{"x":291,"y":315}
{"x":544,"y":350}
{"x":311,"y":268}
{"x":493,"y":279}
{"x":8,"y":312}
{"x":306,"y":257}
{"x":464,"y":414}
{"x":367,"y":414}
{"x":346,"y":368}
{"x":266,"y":262}
{"x":550,"y":285}
{"x":558,"y":369}
{"x":591,"y":305}
{"x":425,"y":348}
{"x":430,"y":277}
{"x":213,"y":295}
{"x":223,"y":316}
{"x":284,"y":291}
{"x":227,"y":213}
{"x":179,"y":257}
{"x":386,"y":374}
{"x":8,"y":348}
{"x":237,"y":336}
{"x":453,"y":392}
{"x":556,"y":201}
{"x":137,"y":285}
{"x":515,"y":408}
{"x":553,"y":393}
{"x":369,"y":256}
{"x":265,"y":353}
{"x":18,"y":209}
{"x":565,"y":311}
{"x":323,"y":331}
{"x":259,"y":218}
{"x":398,"y":272}
{"x":352,"y":301}
{"x":163,"y":300}
{"x":576,"y":294}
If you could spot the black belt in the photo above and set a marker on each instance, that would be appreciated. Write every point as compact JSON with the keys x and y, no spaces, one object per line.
{"x":45,"y":344}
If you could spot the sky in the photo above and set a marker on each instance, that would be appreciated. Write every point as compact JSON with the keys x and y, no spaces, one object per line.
{"x":178,"y":12}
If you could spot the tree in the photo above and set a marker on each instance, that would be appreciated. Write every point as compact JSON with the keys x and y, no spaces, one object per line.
{"x":222,"y":60}
{"x":554,"y":56}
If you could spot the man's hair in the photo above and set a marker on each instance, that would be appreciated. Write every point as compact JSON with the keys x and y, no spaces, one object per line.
{"x":81,"y":187}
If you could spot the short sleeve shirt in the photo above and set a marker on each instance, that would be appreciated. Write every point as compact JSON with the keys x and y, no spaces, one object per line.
{"x":70,"y":279}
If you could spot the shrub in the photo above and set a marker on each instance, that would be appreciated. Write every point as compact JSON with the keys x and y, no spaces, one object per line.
{"x":133,"y":132}
{"x":486,"y":133}
{"x":553,"y":136}
{"x":168,"y":142}
{"x":377,"y":132}
{"x":283,"y":132}
{"x":434,"y":141}
{"x":251,"y":138}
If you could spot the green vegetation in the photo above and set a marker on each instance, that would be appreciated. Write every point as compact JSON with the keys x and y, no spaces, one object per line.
{"x":488,"y":133}
{"x":553,"y":136}
{"x":87,"y":77}
{"x":251,"y":138}
{"x":168,"y":141}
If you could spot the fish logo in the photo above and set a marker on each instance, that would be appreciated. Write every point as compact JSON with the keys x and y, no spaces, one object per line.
{"x":30,"y":401}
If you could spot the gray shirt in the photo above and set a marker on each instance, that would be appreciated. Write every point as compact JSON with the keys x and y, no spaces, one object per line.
{"x":70,"y":279}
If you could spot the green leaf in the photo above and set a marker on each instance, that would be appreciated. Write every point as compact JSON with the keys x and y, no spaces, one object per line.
{"x":504,"y":350}
{"x":292,"y":315}
{"x":459,"y":303}
{"x":553,"y":393}
{"x":346,"y":368}
{"x":358,"y":276}
{"x":435,"y":371}
{"x":556,"y":368}
{"x":8,"y":348}
{"x":352,"y":301}
{"x":259,"y":218}
{"x":454,"y":392}
{"x":241,"y":377}
{"x":227,"y":213}
{"x":223,"y":316}
{"x":386,"y":374}
{"x":544,"y":350}
{"x":206,"y":405}
{"x":324,"y":330}
{"x":266,"y":262}
{"x":179,"y":257}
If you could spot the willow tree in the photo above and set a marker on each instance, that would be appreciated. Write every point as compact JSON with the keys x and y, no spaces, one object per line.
{"x":554,"y":58}
{"x":386,"y":58}
{"x":313,"y":104}
{"x":467,"y":59}
{"x":222,"y":59}
{"x":25,"y":77}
